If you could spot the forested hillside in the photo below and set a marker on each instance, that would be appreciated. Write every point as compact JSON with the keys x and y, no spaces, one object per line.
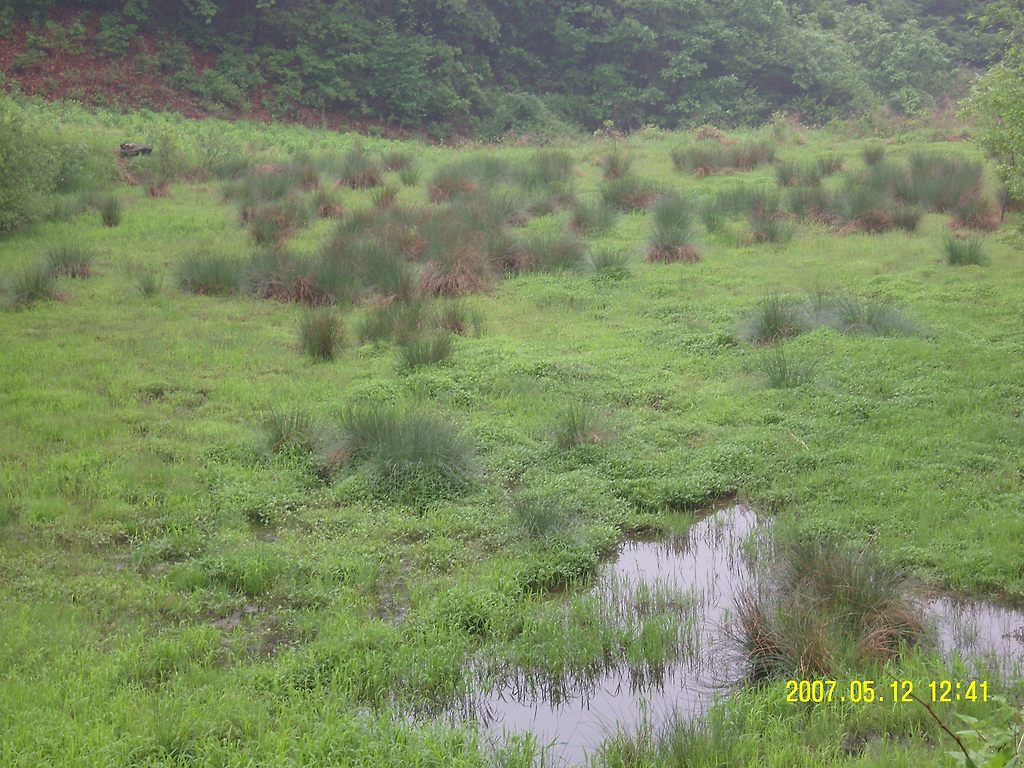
{"x":486,"y":67}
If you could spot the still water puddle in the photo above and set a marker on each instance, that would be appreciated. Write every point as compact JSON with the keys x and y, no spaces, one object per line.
{"x":713,"y":563}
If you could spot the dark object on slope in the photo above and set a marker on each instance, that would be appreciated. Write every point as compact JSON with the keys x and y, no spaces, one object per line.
{"x":128,"y":149}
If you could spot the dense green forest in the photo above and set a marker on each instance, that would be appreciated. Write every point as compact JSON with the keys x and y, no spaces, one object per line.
{"x":487,"y":67}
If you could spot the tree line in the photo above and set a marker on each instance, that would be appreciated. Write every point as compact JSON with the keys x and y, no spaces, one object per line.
{"x":490,"y":66}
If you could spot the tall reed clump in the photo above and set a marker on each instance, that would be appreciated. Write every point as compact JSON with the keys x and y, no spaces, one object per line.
{"x":672,"y":230}
{"x":70,"y":260}
{"x":540,"y":516}
{"x":455,"y":253}
{"x":321,"y":334}
{"x":963,"y":251}
{"x":411,"y":455}
{"x":259,"y":186}
{"x":400,"y":321}
{"x":825,"y":611}
{"x":791,"y":173}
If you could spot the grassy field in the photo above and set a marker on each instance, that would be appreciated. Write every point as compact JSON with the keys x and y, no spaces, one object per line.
{"x":176,"y":592}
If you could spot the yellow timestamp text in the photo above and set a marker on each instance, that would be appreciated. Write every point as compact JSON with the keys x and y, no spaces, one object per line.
{"x":881,"y":691}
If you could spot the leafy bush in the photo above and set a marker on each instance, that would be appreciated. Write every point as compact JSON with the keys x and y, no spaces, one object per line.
{"x":321,"y":333}
{"x":412,"y":455}
{"x":26,"y":174}
{"x":70,"y":260}
{"x":962,"y":251}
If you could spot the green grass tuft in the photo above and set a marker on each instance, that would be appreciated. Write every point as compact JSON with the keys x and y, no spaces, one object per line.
{"x":70,"y":260}
{"x":321,"y":333}
{"x":412,"y":455}
{"x":210,"y":274}
{"x":775,"y":319}
{"x":429,"y":350}
{"x":779,"y":371}
{"x":827,"y":611}
{"x":290,"y":431}
{"x":962,"y":251}
{"x":109,"y":207}
{"x":578,"y":424}
{"x":30,"y":285}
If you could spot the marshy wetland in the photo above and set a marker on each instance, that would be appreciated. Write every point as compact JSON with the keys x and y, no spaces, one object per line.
{"x":330,"y":450}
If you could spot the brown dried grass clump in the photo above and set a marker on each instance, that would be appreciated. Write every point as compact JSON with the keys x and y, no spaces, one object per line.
{"x":444,"y":191}
{"x":711,"y":133}
{"x":467,"y":271}
{"x":673,"y":254}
